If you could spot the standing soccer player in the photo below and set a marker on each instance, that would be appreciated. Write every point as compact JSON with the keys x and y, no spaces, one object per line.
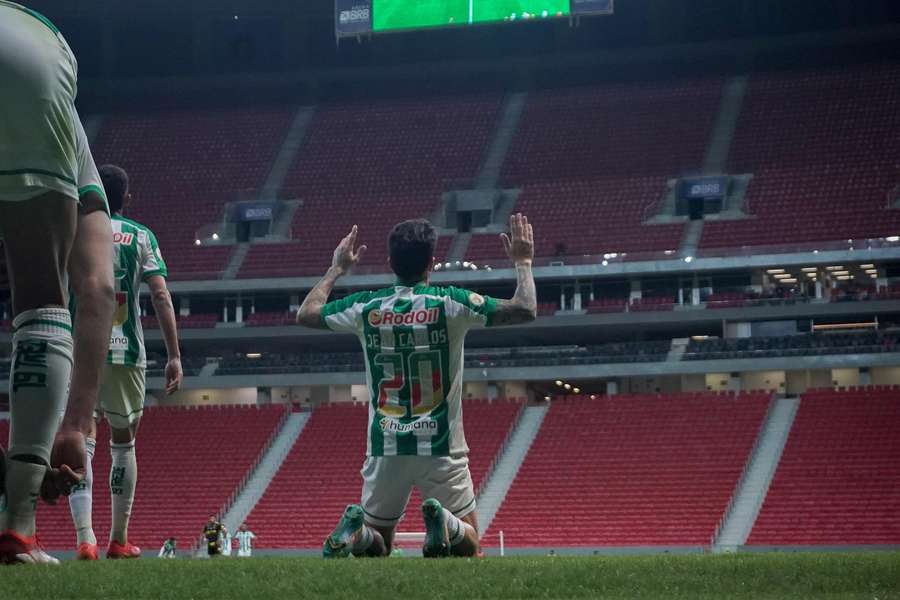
{"x":54,"y":221}
{"x":245,"y":539}
{"x":211,"y":531}
{"x":412,"y":335}
{"x":225,"y":541}
{"x":137,"y":259}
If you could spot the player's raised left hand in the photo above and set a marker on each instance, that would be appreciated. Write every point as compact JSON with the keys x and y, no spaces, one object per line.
{"x":519,"y":244}
{"x":347,"y":255}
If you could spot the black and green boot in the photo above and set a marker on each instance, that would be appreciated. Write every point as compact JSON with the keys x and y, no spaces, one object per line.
{"x":339,"y":543}
{"x":437,"y":539}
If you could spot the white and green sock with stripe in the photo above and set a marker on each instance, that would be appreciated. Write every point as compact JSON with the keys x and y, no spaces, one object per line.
{"x":81,"y":500}
{"x":39,"y":384}
{"x":456,"y":528}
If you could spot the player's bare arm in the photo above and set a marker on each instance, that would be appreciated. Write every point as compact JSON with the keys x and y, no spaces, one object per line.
{"x":346,"y":256}
{"x":165,"y":313}
{"x":519,"y":246}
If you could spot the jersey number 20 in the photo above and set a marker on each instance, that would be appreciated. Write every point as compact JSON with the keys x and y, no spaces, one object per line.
{"x":410,"y":387}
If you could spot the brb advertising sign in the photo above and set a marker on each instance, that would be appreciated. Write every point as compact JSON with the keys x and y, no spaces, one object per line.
{"x":704,"y":187}
{"x":352,"y":17}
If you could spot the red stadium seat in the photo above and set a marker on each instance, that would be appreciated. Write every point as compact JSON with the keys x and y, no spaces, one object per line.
{"x":823,"y":159}
{"x":187,"y":471}
{"x":838,"y":482}
{"x":631,"y":471}
{"x":321,"y":474}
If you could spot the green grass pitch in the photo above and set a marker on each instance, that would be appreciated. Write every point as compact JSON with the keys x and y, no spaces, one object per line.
{"x":402,"y":14}
{"x":772,"y":575}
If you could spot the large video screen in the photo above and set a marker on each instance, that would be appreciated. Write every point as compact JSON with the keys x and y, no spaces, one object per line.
{"x":355,"y":17}
{"x":389,"y":15}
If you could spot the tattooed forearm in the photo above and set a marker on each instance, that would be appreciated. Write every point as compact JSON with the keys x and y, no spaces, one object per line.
{"x":522,"y":307}
{"x":310,"y":313}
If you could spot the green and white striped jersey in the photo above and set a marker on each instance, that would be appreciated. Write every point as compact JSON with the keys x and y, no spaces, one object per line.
{"x":413,"y":341}
{"x":245,"y":540}
{"x":136,"y":258}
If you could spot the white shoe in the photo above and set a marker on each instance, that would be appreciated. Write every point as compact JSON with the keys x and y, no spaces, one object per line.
{"x":17,"y":549}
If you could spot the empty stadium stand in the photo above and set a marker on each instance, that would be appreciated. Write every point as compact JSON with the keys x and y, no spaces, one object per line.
{"x":657,"y":129}
{"x":375,"y":164}
{"x":184,"y":165}
{"x":198,"y":321}
{"x":578,"y":218}
{"x":631,"y":471}
{"x":838,"y":482}
{"x":190,"y":462}
{"x":321,"y":474}
{"x":822,"y":149}
{"x":807,"y":344}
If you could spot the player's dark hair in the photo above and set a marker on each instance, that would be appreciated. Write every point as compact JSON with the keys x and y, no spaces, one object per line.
{"x":115,"y":183}
{"x":411,"y":245}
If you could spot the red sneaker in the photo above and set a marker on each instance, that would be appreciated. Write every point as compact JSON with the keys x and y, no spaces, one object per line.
{"x":117,"y":550}
{"x":17,"y":549}
{"x":87,"y":552}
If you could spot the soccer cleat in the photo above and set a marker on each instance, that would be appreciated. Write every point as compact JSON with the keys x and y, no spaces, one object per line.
{"x":87,"y":552}
{"x":117,"y":550}
{"x":339,"y":543}
{"x":17,"y":549}
{"x":437,"y":538}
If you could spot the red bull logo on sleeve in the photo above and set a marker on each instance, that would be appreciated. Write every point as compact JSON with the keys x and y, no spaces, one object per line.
{"x":382,"y":318}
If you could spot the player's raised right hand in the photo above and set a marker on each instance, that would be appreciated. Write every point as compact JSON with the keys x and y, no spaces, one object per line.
{"x":346,"y":255}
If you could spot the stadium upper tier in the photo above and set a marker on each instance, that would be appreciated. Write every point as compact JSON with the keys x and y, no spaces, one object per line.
{"x":184,"y":166}
{"x":590,"y":164}
{"x":822,"y":147}
{"x":631,"y":471}
{"x":190,"y":462}
{"x":838,"y":482}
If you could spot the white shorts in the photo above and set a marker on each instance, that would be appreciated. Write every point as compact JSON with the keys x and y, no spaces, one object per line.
{"x":388,"y":482}
{"x":38,"y":135}
{"x":121,"y":397}
{"x":243,"y":553}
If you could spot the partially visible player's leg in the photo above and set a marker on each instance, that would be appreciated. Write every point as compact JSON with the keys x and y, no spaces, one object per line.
{"x":38,"y":238}
{"x":81,"y":504}
{"x":38,"y":215}
{"x":451,"y":527}
{"x":122,"y":400}
{"x":367,"y":529}
{"x":353,"y":535}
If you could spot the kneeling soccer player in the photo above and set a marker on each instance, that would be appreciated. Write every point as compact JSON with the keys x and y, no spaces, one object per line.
{"x":412,"y":334}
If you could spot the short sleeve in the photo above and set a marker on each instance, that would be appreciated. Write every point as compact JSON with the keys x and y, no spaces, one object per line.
{"x":88,"y":176}
{"x":345,"y":315}
{"x":152,"y":262}
{"x":470,"y":307}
